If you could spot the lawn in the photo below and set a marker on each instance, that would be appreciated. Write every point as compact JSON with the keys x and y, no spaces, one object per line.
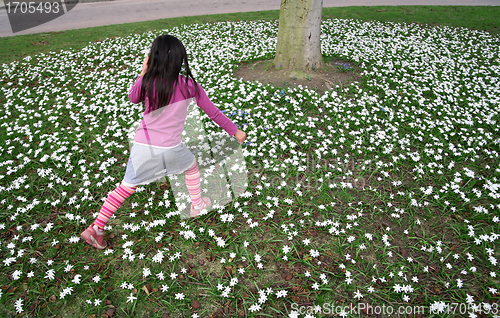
{"x":365,"y":200}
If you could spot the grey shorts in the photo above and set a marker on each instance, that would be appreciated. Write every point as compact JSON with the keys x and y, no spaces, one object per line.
{"x":147,"y":164}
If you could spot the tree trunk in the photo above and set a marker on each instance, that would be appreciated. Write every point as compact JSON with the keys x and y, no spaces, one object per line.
{"x":299,"y":46}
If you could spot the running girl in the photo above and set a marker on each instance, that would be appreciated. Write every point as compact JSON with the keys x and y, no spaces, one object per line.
{"x":166,"y":86}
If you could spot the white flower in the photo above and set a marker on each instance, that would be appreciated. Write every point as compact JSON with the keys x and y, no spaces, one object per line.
{"x":438,"y":307}
{"x":262,"y":299}
{"x":281,"y":294}
{"x":314,"y":253}
{"x":220,"y":242}
{"x":68,"y":268}
{"x":294,"y":314}
{"x":74,"y":239}
{"x":179,"y":296}
{"x":65,"y":291}
{"x":254,"y":308}
{"x":19,"y":305}
{"x":358,"y":294}
{"x":76,"y":279}
{"x":160,"y":276}
{"x":158,"y":258}
{"x":108,"y":251}
{"x":16,"y":275}
{"x":131,"y":298}
{"x":50,"y":274}
{"x":470,"y":299}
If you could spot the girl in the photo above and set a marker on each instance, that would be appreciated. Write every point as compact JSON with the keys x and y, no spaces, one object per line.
{"x":166,"y":85}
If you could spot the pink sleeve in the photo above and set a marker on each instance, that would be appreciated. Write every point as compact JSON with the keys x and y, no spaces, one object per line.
{"x":214,"y":113}
{"x":134,"y":95}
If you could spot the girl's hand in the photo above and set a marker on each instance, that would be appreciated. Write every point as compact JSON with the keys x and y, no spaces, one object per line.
{"x":144,"y":66}
{"x":240,"y":135}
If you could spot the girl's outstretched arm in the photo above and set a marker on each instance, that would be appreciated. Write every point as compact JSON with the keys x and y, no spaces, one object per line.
{"x":240,"y":135}
{"x":214,"y":113}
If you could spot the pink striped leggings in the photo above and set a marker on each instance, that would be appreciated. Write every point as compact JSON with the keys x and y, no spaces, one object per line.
{"x":116,"y":198}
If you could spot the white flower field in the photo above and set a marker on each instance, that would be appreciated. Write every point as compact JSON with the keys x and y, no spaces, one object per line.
{"x":383,"y":192}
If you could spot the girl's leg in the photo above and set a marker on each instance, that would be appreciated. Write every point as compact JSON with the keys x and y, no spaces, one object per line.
{"x":113,"y":202}
{"x":94,"y":234}
{"x":193,"y":184}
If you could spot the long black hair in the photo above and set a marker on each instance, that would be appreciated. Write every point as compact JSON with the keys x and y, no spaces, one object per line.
{"x":166,"y":60}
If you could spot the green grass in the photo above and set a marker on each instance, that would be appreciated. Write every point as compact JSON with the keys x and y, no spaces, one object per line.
{"x":477,"y":18}
{"x":389,"y":224}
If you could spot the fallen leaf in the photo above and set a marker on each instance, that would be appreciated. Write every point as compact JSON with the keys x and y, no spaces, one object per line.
{"x":195,"y":304}
{"x":110,"y":312}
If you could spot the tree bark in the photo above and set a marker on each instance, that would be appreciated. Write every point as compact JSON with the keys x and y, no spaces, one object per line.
{"x":299,"y":46}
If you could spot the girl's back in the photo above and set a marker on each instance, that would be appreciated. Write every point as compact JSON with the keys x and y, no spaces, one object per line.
{"x":162,"y":126}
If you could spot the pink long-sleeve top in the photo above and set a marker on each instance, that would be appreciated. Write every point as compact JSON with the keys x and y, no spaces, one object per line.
{"x":164,"y":129}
